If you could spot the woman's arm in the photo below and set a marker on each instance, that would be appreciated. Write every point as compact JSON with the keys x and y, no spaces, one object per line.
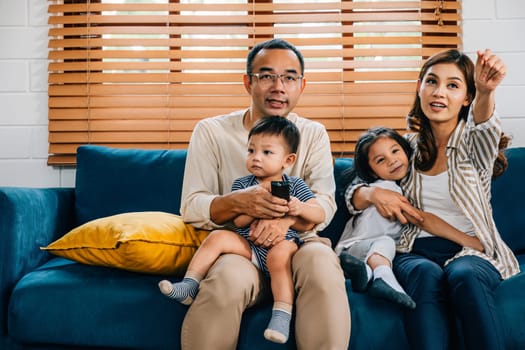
{"x":490,"y":71}
{"x":390,"y":204}
{"x":440,"y":228}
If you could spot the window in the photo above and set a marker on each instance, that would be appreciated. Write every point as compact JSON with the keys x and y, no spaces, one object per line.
{"x":142,"y":73}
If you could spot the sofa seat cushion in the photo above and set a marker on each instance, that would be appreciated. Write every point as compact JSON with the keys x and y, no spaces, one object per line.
{"x":67,"y":303}
{"x":509,"y":298}
{"x":72,"y":304}
{"x":376,"y":323}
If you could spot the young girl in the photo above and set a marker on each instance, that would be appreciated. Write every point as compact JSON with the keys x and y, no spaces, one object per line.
{"x":367,"y":245}
{"x":272,"y":147}
{"x":456,"y":137}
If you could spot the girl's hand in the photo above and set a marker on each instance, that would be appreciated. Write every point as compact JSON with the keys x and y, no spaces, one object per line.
{"x":490,"y":71}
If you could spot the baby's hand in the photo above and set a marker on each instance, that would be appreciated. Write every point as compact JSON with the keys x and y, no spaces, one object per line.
{"x":295,"y":207}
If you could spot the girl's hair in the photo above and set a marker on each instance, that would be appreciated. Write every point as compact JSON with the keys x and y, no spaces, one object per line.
{"x":361,"y":169}
{"x":277,"y":125}
{"x":419,"y":123}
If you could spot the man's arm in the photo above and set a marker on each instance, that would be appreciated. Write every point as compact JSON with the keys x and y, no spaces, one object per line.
{"x":315,"y":163}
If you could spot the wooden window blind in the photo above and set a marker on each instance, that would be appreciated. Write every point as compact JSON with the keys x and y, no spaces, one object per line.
{"x":142,"y":73}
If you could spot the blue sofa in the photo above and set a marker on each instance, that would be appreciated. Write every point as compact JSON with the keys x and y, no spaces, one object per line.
{"x":49,"y":302}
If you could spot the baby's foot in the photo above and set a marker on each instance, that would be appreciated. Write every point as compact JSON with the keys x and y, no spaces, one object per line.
{"x":279,"y":327}
{"x":183,"y":291}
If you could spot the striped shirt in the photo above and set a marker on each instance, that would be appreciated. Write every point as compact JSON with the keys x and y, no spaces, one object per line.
{"x":471,"y":152}
{"x":298,"y":189}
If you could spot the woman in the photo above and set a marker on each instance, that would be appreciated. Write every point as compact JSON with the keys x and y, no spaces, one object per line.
{"x":456,"y":138}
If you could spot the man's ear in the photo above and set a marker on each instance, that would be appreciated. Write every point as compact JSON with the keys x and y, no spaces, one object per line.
{"x":247,"y":83}
{"x":303,"y":84}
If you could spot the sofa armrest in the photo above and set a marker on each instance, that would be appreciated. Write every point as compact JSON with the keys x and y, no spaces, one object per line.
{"x":29,"y":218}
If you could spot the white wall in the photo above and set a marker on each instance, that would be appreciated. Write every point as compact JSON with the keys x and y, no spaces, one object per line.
{"x":496,"y":24}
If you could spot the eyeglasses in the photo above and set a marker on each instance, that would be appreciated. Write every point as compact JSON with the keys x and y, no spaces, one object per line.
{"x":267,"y":79}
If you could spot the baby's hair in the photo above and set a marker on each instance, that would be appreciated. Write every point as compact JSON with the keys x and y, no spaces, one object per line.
{"x":361,"y":169}
{"x":277,"y":125}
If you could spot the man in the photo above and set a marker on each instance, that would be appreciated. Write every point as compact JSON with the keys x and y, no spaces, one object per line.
{"x":216,"y":157}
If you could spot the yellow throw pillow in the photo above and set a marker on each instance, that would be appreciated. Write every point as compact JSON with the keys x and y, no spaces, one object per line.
{"x":147,"y":242}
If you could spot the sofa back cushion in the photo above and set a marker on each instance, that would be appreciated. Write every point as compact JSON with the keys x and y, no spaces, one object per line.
{"x":335,"y":229}
{"x":508,"y":197}
{"x":111,"y":181}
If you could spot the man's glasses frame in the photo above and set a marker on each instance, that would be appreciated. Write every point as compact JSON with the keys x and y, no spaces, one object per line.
{"x":288,"y":79}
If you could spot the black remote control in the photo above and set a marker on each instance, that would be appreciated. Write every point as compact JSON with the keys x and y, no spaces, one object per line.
{"x":281,"y":189}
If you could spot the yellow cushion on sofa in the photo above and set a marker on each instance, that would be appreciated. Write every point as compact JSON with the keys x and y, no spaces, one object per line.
{"x":148,"y":242}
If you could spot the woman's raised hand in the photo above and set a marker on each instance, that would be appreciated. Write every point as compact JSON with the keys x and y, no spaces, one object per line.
{"x":490,"y":71}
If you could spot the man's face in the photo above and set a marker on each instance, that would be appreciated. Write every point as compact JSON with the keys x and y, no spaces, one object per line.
{"x":277,"y":97}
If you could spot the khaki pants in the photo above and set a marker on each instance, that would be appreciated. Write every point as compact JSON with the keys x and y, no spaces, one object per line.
{"x":234,"y":283}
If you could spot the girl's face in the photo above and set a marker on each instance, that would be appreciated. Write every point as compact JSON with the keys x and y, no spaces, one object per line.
{"x":268,"y":156}
{"x":387,"y":159}
{"x":442,"y":92}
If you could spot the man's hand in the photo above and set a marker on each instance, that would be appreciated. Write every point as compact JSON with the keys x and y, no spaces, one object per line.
{"x":266,"y":233}
{"x":255,"y":201}
{"x":258,"y":202}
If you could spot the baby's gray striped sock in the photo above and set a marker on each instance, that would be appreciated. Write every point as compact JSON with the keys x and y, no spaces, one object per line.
{"x":184,"y":291}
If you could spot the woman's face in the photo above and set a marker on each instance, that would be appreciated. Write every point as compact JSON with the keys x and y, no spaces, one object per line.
{"x":443,"y":92}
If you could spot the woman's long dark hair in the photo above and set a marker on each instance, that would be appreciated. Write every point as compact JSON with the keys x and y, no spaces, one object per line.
{"x":419,"y":123}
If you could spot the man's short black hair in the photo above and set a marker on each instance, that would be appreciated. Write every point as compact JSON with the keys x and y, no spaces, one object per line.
{"x":270,"y":45}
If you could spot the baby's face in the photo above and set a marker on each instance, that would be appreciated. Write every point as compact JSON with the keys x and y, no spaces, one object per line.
{"x":267,"y":156}
{"x":387,"y":159}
